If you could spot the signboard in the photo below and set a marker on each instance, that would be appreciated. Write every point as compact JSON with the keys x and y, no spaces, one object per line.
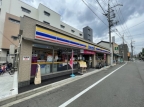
{"x":87,"y":52}
{"x":104,"y":56}
{"x":82,"y":64}
{"x":37,"y":79}
{"x":26,"y":58}
{"x":91,"y":47}
{"x":49,"y":58}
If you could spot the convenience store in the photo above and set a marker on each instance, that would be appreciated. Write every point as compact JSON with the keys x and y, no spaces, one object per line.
{"x":52,"y":48}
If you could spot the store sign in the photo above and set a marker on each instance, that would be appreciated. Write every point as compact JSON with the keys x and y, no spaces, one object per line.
{"x":91,"y":47}
{"x":47,"y":35}
{"x":87,"y":52}
{"x":26,"y":58}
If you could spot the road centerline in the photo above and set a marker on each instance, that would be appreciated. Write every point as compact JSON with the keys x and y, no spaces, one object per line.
{"x":87,"y":89}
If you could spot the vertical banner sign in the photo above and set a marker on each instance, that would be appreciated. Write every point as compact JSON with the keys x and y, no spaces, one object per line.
{"x":104,"y":56}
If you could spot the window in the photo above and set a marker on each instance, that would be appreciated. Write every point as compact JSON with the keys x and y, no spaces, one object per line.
{"x":89,"y":35}
{"x":46,"y":22}
{"x":14,"y":21}
{"x":73,"y":31}
{"x":25,"y":10}
{"x":46,"y":13}
{"x":89,"y":30}
{"x":62,"y":26}
{"x":80,"y":34}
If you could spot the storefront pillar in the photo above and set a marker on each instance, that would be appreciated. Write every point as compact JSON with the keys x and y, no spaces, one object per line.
{"x":25,"y":63}
{"x":94,"y":61}
{"x":108,"y":59}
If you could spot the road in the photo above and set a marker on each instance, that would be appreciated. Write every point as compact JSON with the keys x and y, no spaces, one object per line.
{"x":121,"y":88}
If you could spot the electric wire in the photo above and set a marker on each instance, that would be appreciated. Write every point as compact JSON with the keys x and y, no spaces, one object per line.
{"x":94,"y":13}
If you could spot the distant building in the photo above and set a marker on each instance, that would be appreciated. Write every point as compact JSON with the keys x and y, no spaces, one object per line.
{"x":124,"y":49}
{"x":88,"y":33}
{"x":115,"y":49}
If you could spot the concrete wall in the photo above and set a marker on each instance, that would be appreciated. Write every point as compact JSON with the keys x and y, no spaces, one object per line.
{"x":11,"y":28}
{"x":25,"y":65}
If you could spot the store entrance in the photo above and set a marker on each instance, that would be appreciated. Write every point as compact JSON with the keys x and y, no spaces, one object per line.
{"x":88,"y":60}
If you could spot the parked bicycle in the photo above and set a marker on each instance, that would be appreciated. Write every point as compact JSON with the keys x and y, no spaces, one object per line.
{"x":10,"y":68}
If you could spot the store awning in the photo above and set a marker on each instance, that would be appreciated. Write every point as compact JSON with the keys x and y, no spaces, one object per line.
{"x":118,"y":55}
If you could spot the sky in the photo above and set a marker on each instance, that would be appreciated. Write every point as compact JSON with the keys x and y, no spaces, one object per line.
{"x":75,"y":13}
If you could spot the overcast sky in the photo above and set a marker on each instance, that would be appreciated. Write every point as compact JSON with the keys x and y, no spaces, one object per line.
{"x":78,"y":15}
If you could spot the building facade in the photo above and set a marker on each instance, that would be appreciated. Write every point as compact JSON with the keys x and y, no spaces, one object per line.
{"x":88,"y":33}
{"x":123,"y":51}
{"x":10,"y":13}
{"x":51,"y":48}
{"x":115,"y":49}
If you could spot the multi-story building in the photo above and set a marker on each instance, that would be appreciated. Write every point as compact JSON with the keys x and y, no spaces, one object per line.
{"x":10,"y":13}
{"x":123,"y":50}
{"x":88,"y":33}
{"x":115,"y":49}
{"x":45,"y":38}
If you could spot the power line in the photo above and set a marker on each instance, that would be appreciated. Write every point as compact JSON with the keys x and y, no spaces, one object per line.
{"x":101,"y":6}
{"x":135,"y":25}
{"x":93,"y":12}
{"x":104,"y":2}
{"x":124,"y":20}
{"x":124,"y":25}
{"x":118,"y":17}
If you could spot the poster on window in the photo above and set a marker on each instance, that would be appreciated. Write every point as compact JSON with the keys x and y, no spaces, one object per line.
{"x":49,"y":58}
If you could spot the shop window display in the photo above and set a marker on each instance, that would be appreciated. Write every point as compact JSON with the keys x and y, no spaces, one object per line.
{"x":44,"y":58}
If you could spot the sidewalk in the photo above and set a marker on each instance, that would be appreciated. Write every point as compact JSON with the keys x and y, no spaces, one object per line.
{"x":8,"y":85}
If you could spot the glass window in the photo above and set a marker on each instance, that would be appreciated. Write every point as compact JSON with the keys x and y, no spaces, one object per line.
{"x":25,"y":10}
{"x":73,"y":31}
{"x":14,"y":21}
{"x":62,"y":26}
{"x":46,"y":22}
{"x":80,"y":34}
{"x":46,"y":13}
{"x":43,"y":56}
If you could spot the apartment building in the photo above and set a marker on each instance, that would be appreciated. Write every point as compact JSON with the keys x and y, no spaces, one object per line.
{"x":10,"y":13}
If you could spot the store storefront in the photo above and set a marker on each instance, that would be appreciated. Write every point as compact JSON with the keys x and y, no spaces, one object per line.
{"x":51,"y":48}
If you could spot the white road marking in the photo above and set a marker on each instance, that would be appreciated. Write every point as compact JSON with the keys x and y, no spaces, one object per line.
{"x":87,"y":89}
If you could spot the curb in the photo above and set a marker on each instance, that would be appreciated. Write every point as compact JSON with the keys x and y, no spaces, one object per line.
{"x":35,"y":92}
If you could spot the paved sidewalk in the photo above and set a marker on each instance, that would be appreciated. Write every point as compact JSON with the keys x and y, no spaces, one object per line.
{"x":8,"y":85}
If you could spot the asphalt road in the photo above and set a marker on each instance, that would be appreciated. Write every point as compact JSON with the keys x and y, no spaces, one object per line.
{"x":123,"y":88}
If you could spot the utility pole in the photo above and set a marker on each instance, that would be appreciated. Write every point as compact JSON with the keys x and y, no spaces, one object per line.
{"x":123,"y":47}
{"x":110,"y":24}
{"x":131,"y":49}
